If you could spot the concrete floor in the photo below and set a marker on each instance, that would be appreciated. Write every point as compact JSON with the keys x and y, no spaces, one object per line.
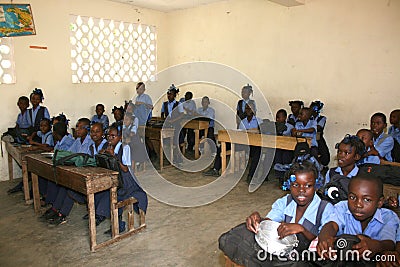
{"x":174,"y":236}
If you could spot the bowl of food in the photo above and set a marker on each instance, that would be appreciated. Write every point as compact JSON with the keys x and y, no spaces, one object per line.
{"x":268,"y":239}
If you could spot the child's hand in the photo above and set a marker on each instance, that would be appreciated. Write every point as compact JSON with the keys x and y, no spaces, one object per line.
{"x":392,"y":201}
{"x":363,"y":245}
{"x":286,"y":229}
{"x":253,"y":221}
{"x":324,"y":247}
{"x":389,"y":255}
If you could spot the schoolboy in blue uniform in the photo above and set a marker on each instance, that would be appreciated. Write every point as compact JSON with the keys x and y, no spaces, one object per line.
{"x":208,"y":112}
{"x":301,"y":212}
{"x":189,"y":106}
{"x":23,"y":120}
{"x":367,"y":137}
{"x":306,"y":127}
{"x":81,"y":145}
{"x":100,"y":116}
{"x":349,"y":152}
{"x":383,"y":143}
{"x":362,"y":215}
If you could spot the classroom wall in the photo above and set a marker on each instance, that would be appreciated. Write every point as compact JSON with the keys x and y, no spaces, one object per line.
{"x":50,"y":69}
{"x":345,"y":53}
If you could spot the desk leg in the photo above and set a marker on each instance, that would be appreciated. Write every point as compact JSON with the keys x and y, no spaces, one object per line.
{"x":223,"y":157}
{"x":35,"y":189}
{"x":10,"y":167}
{"x":114,"y":212}
{"x":92,"y":221}
{"x":196,"y":143}
{"x":232,"y":159}
{"x":161,"y":153}
{"x":25,"y":182}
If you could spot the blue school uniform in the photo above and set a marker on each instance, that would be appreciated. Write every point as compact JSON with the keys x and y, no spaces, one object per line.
{"x":23,"y":120}
{"x":288,"y":131}
{"x":36,"y":115}
{"x":47,"y":138}
{"x":369,"y":159}
{"x":65,"y":143}
{"x":394,"y":132}
{"x":292,"y":119}
{"x":253,"y":123}
{"x":103,"y":119}
{"x":382,"y":226}
{"x":280,"y":210}
{"x":310,"y":124}
{"x":82,"y":147}
{"x":384,"y":145}
{"x":130,"y":187}
{"x":338,"y":170}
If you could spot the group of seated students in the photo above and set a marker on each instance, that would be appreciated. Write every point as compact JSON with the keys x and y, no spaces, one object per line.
{"x":90,"y":137}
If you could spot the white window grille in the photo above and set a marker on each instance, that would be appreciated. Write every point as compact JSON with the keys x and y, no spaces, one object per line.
{"x":7,"y":64}
{"x":111,"y":51}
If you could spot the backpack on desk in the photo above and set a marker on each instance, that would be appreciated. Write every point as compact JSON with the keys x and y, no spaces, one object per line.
{"x":110,"y":162}
{"x":68,"y":158}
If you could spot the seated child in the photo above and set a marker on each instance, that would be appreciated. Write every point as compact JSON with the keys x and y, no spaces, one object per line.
{"x":295,"y":107}
{"x":383,"y":143}
{"x":189,"y":106}
{"x":130,"y":186}
{"x":301,"y":212}
{"x":100,"y":116}
{"x":23,"y":120}
{"x":208,"y":112}
{"x":349,"y":151}
{"x":283,"y":156}
{"x":394,"y":131}
{"x":361,"y":215}
{"x":131,"y":138}
{"x":367,"y":137}
{"x":46,"y":136}
{"x":118,"y":113}
{"x":55,"y":215}
{"x":63,"y":141}
{"x":306,"y":127}
{"x":323,"y":151}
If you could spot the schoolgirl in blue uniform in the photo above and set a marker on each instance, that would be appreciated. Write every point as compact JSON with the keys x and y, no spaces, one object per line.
{"x":301,"y":212}
{"x":383,"y":143}
{"x":129,"y":185}
{"x":130,"y":136}
{"x":367,"y":137}
{"x":295,"y":107}
{"x":323,"y":151}
{"x":349,"y":152}
{"x":247,"y":91}
{"x":37,"y":112}
{"x":306,"y":127}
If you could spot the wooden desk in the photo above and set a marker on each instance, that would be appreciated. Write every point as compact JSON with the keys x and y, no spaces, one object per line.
{"x":385,"y":162}
{"x":253,"y":139}
{"x":18,"y":153}
{"x":158,"y":134}
{"x":85,"y":180}
{"x":197,"y":125}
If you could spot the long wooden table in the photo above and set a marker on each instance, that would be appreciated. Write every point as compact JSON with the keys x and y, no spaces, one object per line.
{"x":18,"y":153}
{"x":85,"y":180}
{"x":253,"y":139}
{"x":157,"y":134}
{"x":197,"y":125}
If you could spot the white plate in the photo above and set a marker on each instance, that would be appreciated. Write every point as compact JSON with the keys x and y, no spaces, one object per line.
{"x":47,"y":154}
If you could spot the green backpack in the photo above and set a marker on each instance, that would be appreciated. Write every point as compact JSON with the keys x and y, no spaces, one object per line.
{"x":62,"y":157}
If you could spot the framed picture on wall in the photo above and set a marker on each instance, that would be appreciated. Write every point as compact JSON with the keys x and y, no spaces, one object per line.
{"x":16,"y":20}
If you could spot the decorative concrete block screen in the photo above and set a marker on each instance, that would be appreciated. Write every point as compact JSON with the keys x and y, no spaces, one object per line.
{"x":111,"y":51}
{"x":7,"y":66}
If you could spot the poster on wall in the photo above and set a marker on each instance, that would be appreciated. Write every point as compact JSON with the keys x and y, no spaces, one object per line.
{"x":16,"y":20}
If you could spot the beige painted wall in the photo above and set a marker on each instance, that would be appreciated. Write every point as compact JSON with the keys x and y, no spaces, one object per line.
{"x":345,"y":53}
{"x":50,"y":69}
